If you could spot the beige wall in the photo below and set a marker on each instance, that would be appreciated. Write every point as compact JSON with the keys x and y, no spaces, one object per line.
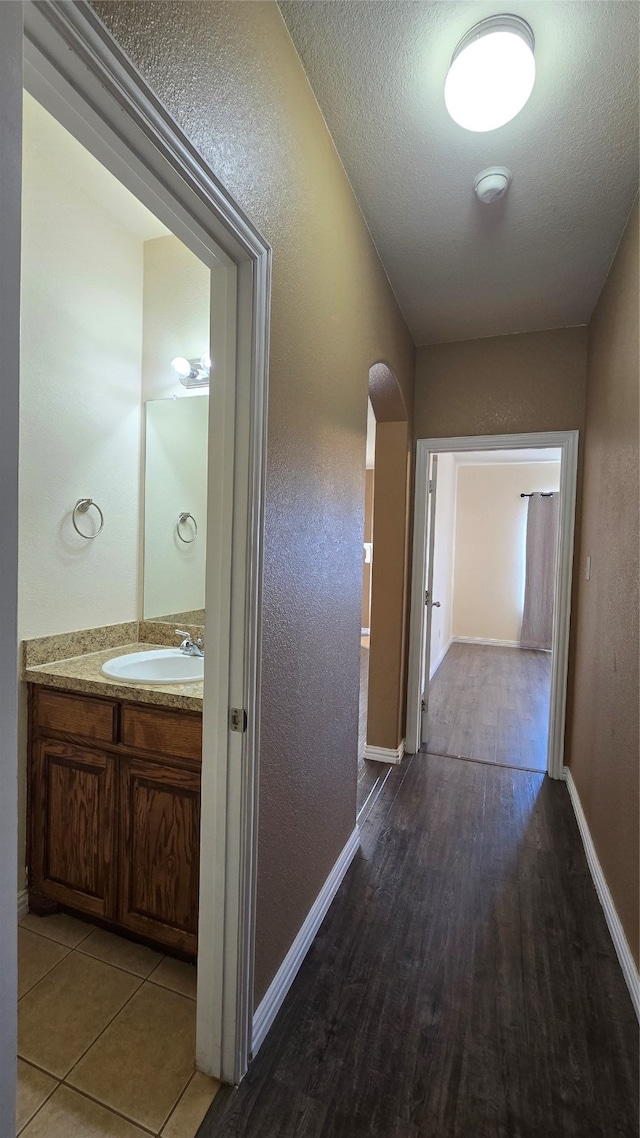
{"x":176,"y":438}
{"x":386,"y":704}
{"x":176,"y":320}
{"x":232,"y":79}
{"x":503,"y":385}
{"x":491,"y":527}
{"x":535,"y":381}
{"x":177,"y":290}
{"x":603,"y":738}
{"x":81,"y":346}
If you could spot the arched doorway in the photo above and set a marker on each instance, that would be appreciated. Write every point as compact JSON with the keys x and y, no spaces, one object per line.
{"x":386,"y":681}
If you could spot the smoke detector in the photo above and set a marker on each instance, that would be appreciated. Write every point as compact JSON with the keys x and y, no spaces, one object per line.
{"x":492,"y":184}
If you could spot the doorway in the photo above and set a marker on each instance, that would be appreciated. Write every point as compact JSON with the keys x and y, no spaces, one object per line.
{"x":72,"y":68}
{"x":487,"y":673}
{"x":480,"y":686}
{"x":368,"y":770}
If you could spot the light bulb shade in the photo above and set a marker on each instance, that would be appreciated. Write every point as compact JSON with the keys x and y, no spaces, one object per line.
{"x":491,"y":74}
{"x":205,"y":361}
{"x":181,"y":366}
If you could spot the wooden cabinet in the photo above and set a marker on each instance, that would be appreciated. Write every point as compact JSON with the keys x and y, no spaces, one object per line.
{"x":76,"y":797}
{"x":114,"y":813}
{"x":160,"y":819}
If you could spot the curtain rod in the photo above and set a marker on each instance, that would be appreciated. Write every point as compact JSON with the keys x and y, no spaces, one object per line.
{"x":542,"y":494}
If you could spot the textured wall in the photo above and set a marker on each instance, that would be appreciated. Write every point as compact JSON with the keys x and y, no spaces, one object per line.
{"x":534,"y":381}
{"x":603,"y":751}
{"x":231,"y":78}
{"x":502,"y":385}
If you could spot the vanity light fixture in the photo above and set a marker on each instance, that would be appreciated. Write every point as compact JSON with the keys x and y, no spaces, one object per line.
{"x":492,"y":73}
{"x":192,"y":373}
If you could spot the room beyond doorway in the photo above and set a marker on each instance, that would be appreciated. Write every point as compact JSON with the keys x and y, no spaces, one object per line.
{"x":424,"y":599}
{"x":491,"y":704}
{"x":488,"y":639}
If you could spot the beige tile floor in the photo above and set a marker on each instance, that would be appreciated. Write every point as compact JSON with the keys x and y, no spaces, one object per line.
{"x":106,"y":1036}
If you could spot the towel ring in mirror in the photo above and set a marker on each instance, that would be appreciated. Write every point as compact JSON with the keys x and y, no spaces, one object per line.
{"x":182,"y":520}
{"x":81,"y":507}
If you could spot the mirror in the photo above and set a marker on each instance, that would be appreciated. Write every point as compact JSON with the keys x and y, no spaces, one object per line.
{"x":175,"y":509}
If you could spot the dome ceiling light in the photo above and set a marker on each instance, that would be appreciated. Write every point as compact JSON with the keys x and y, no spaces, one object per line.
{"x":492,"y":73}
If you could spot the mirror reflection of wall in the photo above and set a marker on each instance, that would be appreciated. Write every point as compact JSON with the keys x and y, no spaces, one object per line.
{"x":175,"y":483}
{"x":176,"y":322}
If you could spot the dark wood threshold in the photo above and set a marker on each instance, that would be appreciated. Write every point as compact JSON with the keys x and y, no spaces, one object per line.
{"x":484,"y":762}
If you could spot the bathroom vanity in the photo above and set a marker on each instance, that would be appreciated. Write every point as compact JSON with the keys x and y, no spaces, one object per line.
{"x":114,"y":809}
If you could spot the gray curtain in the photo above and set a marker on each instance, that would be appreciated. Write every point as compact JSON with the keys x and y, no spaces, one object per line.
{"x":542,"y":530}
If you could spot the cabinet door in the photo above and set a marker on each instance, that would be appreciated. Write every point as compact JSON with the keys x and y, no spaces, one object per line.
{"x":73,"y":840}
{"x":159,"y":852}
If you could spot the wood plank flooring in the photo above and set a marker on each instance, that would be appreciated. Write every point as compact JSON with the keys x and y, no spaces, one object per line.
{"x":491,"y":704}
{"x":462,"y":985}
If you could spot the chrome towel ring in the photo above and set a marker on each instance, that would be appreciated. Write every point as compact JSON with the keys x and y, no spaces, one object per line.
{"x":182,"y":520}
{"x":81,"y":507}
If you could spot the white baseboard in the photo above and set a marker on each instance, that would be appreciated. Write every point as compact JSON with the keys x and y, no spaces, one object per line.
{"x":435,"y":664}
{"x":483,"y":640}
{"x":385,"y":754}
{"x":23,"y":904}
{"x":271,"y":1003}
{"x":620,"y":943}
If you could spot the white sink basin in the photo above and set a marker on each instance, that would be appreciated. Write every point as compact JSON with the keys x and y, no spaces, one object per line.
{"x":157,"y":666}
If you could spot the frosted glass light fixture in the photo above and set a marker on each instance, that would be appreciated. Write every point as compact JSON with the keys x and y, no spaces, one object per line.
{"x":492,"y":73}
{"x":192,"y":373}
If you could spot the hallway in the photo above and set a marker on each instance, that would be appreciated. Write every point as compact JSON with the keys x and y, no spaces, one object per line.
{"x":463,"y":984}
{"x":491,"y":704}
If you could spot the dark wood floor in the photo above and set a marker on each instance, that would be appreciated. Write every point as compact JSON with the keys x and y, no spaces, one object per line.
{"x":462,"y":985}
{"x":491,"y":704}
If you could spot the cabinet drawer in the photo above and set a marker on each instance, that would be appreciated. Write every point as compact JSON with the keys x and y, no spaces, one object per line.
{"x":171,"y":733}
{"x":81,"y":715}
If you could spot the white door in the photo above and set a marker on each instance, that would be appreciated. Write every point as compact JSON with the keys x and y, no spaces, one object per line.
{"x":429,"y":601}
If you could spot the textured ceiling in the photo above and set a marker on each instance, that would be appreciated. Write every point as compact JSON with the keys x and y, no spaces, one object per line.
{"x":460,"y":270}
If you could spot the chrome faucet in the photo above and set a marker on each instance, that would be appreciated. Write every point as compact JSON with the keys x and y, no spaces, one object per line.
{"x":189,"y":646}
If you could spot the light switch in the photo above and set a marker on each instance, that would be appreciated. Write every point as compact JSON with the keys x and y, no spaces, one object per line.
{"x":587,"y":569}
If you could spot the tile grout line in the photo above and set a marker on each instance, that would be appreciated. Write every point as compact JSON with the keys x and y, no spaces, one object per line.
{"x":63,"y":944}
{"x":120,"y":968}
{"x":63,"y":1081}
{"x":44,"y":1101}
{"x":128,"y":971}
{"x":47,"y":973}
{"x":166,"y":988}
{"x":70,"y":1086}
{"x":109,"y":1109}
{"x":178,"y":1100}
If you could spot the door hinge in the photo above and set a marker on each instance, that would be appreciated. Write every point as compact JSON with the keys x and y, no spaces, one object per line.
{"x":238,"y":719}
{"x":430,"y":489}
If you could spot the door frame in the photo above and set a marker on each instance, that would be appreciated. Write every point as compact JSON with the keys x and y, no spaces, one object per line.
{"x":74,"y":66}
{"x":567,"y":442}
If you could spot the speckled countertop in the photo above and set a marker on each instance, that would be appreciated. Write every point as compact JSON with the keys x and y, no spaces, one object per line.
{"x":81,"y":673}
